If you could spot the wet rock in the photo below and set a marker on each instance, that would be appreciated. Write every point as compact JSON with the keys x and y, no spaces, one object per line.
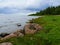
{"x":3,"y":34}
{"x":14,"y":34}
{"x":6,"y":43}
{"x":18,"y":24}
{"x":9,"y":36}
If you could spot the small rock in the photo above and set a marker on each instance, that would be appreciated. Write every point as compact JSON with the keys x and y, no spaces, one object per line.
{"x":18,"y":24}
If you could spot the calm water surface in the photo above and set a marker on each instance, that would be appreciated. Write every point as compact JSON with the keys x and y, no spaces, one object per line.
{"x":8,"y":23}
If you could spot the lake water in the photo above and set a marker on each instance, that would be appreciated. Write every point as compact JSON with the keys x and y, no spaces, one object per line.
{"x":8,"y":23}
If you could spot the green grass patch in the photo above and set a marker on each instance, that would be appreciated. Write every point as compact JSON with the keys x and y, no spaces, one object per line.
{"x":51,"y":29}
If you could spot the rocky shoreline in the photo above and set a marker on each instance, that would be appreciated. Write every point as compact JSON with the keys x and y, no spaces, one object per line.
{"x":30,"y":28}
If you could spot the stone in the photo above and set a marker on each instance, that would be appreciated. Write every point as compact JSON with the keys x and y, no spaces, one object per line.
{"x":18,"y":24}
{"x":9,"y":36}
{"x":20,"y":35}
{"x":14,"y":34}
{"x":6,"y":43}
{"x":3,"y":34}
{"x":32,"y":28}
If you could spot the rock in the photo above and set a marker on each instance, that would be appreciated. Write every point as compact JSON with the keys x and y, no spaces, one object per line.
{"x":6,"y":43}
{"x":32,"y":28}
{"x":3,"y":34}
{"x":30,"y":31}
{"x":19,"y":33}
{"x":38,"y":27}
{"x":18,"y":24}
{"x":9,"y":36}
{"x":14,"y":34}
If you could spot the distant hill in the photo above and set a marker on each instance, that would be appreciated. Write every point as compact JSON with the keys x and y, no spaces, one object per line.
{"x":49,"y":11}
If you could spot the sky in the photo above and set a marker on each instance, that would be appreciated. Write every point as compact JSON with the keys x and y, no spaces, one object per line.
{"x":25,"y":6}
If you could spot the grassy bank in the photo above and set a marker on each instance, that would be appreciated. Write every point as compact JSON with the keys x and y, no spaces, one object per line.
{"x":49,"y":35}
{"x":51,"y":29}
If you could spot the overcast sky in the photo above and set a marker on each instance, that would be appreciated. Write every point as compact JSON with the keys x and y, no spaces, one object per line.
{"x":26,"y":6}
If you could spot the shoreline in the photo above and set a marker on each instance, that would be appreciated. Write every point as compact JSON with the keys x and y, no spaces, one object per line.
{"x":18,"y":24}
{"x":29,"y":28}
{"x":10,"y":23}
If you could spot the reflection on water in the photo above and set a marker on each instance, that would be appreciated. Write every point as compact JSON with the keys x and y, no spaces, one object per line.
{"x":8,"y":23}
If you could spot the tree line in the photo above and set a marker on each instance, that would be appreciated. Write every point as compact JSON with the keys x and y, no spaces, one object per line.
{"x":49,"y":11}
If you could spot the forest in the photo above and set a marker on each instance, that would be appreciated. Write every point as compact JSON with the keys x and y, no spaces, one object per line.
{"x":49,"y":11}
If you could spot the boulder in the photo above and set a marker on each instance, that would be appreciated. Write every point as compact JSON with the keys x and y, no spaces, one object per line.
{"x":32,"y":28}
{"x":9,"y":36}
{"x":14,"y":34}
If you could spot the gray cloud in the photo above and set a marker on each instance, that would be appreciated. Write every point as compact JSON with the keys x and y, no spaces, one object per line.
{"x":16,"y":6}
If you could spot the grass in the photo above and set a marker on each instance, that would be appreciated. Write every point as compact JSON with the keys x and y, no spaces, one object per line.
{"x":51,"y":29}
{"x":49,"y":35}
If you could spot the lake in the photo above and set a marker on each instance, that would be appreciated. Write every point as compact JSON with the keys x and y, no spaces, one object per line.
{"x":8,"y":23}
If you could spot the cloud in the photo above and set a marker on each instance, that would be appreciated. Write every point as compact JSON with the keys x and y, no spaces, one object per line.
{"x":54,"y":2}
{"x":17,"y":6}
{"x":22,"y":3}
